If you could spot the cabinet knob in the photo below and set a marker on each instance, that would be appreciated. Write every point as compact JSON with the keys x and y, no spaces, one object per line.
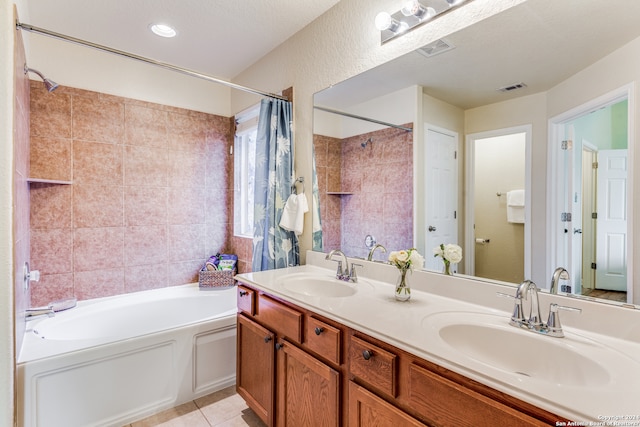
{"x":319,"y":330}
{"x":267,"y":338}
{"x":279,"y":345}
{"x":367,"y":354}
{"x":243,"y":293}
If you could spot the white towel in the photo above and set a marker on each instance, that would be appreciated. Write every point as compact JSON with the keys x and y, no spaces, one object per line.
{"x":515,"y":198}
{"x":515,"y":206}
{"x":292,"y":218}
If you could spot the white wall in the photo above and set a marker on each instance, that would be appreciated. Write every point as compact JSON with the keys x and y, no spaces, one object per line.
{"x":397,"y":108}
{"x":6,"y":216}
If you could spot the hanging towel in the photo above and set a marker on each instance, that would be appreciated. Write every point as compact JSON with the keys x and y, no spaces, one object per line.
{"x":515,"y":206}
{"x":293,"y":213}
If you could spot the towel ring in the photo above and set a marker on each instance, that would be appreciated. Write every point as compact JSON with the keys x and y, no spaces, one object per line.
{"x":300,"y":180}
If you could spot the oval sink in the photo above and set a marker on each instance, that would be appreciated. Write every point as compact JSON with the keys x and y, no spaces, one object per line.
{"x":490,"y":340}
{"x":319,"y":286}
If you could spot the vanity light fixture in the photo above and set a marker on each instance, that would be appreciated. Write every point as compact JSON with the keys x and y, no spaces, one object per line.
{"x":163,"y":30}
{"x":413,"y":14}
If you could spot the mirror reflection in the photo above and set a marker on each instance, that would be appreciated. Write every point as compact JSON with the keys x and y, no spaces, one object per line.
{"x":542,"y":73}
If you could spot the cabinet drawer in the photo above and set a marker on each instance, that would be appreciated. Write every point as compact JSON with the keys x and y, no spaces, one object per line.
{"x":286,"y":321}
{"x":444,"y":403}
{"x":323,"y":339}
{"x":246,"y":300}
{"x":373,"y":365}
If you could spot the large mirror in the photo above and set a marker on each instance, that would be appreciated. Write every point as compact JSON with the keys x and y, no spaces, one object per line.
{"x":488,"y":139}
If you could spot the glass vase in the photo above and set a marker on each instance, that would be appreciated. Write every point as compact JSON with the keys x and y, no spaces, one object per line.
{"x":447,"y":269}
{"x":403,"y":287}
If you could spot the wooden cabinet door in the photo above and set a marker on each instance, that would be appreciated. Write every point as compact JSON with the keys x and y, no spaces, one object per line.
{"x":255,"y":371}
{"x":368,"y":410}
{"x":308,"y":390}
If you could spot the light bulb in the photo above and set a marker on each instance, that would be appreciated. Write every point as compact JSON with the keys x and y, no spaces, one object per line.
{"x":415,"y":8}
{"x":383,"y":21}
{"x":412,"y":8}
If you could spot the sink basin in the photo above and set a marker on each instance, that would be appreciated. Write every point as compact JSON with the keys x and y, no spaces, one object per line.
{"x":491,"y":341}
{"x":320,"y":286}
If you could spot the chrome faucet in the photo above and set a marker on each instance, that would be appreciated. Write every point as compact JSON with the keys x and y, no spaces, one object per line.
{"x":559,"y":273}
{"x":31,"y":313}
{"x":373,"y":249}
{"x":343,"y":273}
{"x":517,"y":319}
{"x":552,"y":328}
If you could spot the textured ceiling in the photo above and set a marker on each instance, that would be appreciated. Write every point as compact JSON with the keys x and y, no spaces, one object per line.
{"x":539,"y":42}
{"x":217,"y":37}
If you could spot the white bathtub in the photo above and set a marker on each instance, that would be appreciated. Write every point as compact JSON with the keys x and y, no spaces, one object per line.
{"x":111,"y":361}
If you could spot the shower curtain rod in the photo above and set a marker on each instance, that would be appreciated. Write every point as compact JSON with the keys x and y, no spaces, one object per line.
{"x":171,"y":67}
{"x":353,"y":116}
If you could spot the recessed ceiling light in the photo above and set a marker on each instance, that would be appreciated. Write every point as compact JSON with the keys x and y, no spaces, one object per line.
{"x":163,"y":30}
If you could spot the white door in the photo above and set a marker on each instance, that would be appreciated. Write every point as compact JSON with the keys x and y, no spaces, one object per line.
{"x":441,"y":200}
{"x":588,"y":230}
{"x":611,"y":255}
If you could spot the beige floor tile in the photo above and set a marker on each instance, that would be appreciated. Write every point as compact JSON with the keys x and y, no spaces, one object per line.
{"x":248,"y":418}
{"x":186,"y":415}
{"x":222,"y":406}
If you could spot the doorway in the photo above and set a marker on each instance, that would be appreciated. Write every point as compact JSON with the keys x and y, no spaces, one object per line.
{"x":590,"y":202}
{"x":498,"y":207}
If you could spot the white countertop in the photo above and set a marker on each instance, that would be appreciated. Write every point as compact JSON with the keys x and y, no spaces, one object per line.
{"x":413,"y":327}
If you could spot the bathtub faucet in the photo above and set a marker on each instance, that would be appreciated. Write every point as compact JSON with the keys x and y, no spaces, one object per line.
{"x":31,"y":313}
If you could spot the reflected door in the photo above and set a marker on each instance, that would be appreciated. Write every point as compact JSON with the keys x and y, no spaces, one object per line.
{"x":441,"y":200}
{"x":611,"y":255}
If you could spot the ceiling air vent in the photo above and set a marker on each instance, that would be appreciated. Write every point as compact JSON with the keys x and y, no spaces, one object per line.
{"x":435,"y":48}
{"x":512,"y":87}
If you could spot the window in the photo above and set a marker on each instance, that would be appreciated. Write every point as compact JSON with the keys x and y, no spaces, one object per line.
{"x":244,"y":171}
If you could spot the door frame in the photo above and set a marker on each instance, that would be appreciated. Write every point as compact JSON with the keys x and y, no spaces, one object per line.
{"x":469,"y":219}
{"x":554,"y":172}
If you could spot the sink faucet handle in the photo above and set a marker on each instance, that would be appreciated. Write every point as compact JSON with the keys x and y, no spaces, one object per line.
{"x":353,"y":276}
{"x":517,"y":318}
{"x":339,"y":272}
{"x":554,"y":328}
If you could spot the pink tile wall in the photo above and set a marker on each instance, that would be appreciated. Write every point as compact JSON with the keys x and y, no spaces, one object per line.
{"x":150,"y":196}
{"x":21,"y":187}
{"x":380,"y":176}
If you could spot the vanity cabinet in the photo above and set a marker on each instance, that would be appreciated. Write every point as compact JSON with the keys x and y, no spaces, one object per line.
{"x":297,"y":368}
{"x":284,"y":384}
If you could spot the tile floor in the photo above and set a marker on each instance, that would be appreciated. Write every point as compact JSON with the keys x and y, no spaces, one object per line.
{"x":610,"y":295}
{"x":224,"y":408}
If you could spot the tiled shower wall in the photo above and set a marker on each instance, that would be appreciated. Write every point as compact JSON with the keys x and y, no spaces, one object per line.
{"x":380,"y":176}
{"x":150,"y":195}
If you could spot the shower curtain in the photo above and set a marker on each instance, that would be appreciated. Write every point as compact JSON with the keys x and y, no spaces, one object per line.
{"x":273,"y":247}
{"x":315,"y":210}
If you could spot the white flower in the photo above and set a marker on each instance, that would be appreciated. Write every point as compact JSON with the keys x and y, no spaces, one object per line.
{"x":416,"y":259}
{"x":406,"y":259}
{"x":453,"y":253}
{"x":450,"y":253}
{"x":402,"y":256}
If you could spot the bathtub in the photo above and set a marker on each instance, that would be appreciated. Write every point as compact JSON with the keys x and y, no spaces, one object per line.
{"x":114,"y":360}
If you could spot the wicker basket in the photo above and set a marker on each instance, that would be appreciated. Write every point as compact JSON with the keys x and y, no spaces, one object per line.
{"x":212,"y":279}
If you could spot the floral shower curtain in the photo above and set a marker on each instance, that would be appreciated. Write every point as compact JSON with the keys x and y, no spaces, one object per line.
{"x":273,"y":247}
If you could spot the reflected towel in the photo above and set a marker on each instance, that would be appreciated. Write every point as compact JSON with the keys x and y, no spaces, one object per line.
{"x":515,"y":198}
{"x":292,"y":218}
{"x":515,"y":206}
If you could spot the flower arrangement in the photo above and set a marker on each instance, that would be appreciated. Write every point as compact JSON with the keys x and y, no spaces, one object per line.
{"x":450,"y":254}
{"x":405,"y":260}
